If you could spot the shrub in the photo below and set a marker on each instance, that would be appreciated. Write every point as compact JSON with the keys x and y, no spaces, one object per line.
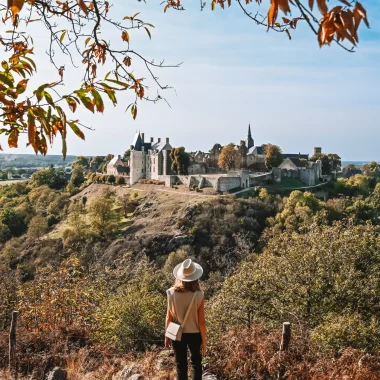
{"x":52,"y":220}
{"x":347,"y":331}
{"x":45,"y":305}
{"x":134,"y":319}
{"x":111,"y":179}
{"x":120,"y":180}
{"x":148,"y":181}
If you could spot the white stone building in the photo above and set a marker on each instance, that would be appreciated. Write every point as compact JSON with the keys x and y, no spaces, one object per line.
{"x":149,"y":159}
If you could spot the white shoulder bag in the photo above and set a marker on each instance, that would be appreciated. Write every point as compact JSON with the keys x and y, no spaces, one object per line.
{"x":174,"y":330}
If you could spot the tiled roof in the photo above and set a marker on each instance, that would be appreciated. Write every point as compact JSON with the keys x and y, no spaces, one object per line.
{"x":113,"y":161}
{"x":296,"y":161}
{"x":162,"y":145}
{"x":295,"y":155}
{"x":255,"y":150}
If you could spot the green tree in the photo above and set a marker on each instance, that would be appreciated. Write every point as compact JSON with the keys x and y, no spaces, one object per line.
{"x":77,"y":218}
{"x":38,"y":226}
{"x":127,"y":154}
{"x":372,"y":170}
{"x":273,"y":155}
{"x":14,"y":220}
{"x":125,"y":203}
{"x":77,"y":176}
{"x":335,"y":161}
{"x":229,"y":157}
{"x":180,"y":160}
{"x":330,"y":162}
{"x":51,"y":177}
{"x":82,"y":161}
{"x":306,"y":278}
{"x":102,"y":215}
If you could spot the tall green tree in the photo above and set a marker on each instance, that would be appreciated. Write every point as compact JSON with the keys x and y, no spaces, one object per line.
{"x":38,"y":226}
{"x":330,"y":162}
{"x":77,"y":176}
{"x":102,"y":216}
{"x":180,"y":160}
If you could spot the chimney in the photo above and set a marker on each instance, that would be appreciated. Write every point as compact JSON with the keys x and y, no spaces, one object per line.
{"x":152,"y":139}
{"x":119,"y":156}
{"x":242,"y":142}
{"x":159,"y":139}
{"x":167,"y":140}
{"x":142,"y":136}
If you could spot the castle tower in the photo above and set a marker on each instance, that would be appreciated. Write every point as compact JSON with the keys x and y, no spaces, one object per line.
{"x":249,"y":142}
{"x":137,"y":159}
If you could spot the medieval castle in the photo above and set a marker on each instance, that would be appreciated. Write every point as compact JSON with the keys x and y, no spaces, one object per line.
{"x":151,"y":160}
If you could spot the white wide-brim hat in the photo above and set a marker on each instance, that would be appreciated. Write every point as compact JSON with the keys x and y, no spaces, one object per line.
{"x":188,"y":271}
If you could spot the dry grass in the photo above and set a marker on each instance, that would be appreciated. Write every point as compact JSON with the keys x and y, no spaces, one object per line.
{"x":253,"y":354}
{"x":241,"y":354}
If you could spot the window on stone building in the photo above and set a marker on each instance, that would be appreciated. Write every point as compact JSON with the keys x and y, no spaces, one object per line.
{"x":154,"y":169}
{"x":154,"y":160}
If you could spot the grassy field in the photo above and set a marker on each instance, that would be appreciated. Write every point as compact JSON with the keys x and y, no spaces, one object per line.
{"x":3,"y":183}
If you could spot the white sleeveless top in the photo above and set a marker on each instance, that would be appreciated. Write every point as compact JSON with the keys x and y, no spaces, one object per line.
{"x":179,"y":302}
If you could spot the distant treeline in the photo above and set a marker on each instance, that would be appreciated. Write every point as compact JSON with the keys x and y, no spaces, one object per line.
{"x":32,"y":161}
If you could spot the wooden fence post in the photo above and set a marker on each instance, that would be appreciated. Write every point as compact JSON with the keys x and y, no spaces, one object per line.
{"x":286,"y":334}
{"x":285,"y":339}
{"x":12,"y":345}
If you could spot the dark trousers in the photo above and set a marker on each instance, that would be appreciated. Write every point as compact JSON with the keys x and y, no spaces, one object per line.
{"x":193,"y":341}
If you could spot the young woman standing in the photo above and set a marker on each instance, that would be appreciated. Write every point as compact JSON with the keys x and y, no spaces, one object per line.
{"x":193,"y":338}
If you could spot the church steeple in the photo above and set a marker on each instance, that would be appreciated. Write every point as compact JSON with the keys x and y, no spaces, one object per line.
{"x":249,"y":143}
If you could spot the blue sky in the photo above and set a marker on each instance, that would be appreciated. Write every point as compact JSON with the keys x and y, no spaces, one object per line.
{"x":293,"y":93}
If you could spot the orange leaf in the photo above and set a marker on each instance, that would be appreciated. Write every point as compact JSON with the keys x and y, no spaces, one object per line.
{"x":15,"y":7}
{"x":362,"y":12}
{"x":83,"y":6}
{"x":288,"y":33}
{"x":13,"y":138}
{"x":345,"y":2}
{"x":286,"y":20}
{"x":311,"y":4}
{"x":125,"y":36}
{"x":272,"y":13}
{"x":322,"y":6}
{"x":284,"y":6}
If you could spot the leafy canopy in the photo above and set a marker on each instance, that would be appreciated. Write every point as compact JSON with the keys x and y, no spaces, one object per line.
{"x":229,"y":157}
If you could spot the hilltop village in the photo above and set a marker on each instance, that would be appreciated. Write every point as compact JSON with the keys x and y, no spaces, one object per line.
{"x":151,"y":159}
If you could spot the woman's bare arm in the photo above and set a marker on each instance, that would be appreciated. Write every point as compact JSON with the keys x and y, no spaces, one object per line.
{"x":202,"y":325}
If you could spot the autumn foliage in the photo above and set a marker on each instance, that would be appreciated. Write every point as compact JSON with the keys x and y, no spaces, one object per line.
{"x":229,"y":157}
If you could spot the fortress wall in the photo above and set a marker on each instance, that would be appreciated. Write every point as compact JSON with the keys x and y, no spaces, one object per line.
{"x":228,"y":183}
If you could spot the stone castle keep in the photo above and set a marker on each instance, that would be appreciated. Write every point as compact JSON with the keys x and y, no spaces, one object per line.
{"x":151,"y":160}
